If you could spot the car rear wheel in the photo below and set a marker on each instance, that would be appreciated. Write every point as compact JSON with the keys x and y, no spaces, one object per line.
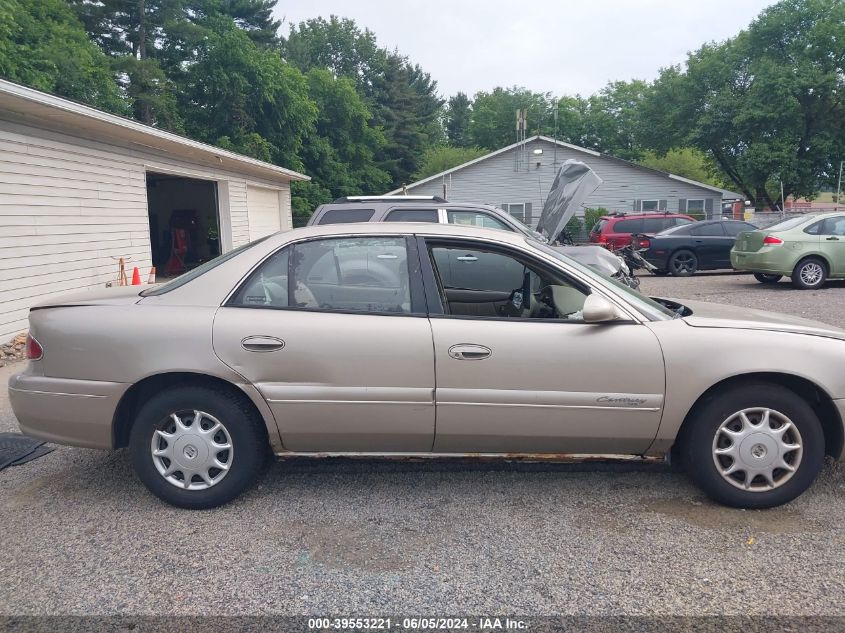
{"x":196,"y":447}
{"x":683,"y":263}
{"x":755,"y":446}
{"x":809,"y":274}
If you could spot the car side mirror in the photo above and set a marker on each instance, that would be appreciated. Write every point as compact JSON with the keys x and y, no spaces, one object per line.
{"x":599,"y":310}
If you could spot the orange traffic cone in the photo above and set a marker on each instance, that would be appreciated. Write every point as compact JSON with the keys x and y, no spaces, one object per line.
{"x":152,"y":278}
{"x":136,"y":277}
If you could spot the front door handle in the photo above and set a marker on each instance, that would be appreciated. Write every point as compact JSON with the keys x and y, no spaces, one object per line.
{"x":262,"y":343}
{"x":832,"y":238}
{"x":469,"y":352}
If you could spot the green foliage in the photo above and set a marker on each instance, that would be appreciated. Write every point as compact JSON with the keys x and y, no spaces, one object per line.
{"x":457,"y":119}
{"x":245,"y":96}
{"x":493,"y":122}
{"x":592,"y":215}
{"x":44,"y":45}
{"x":766,"y":105}
{"x":443,"y":157}
{"x":685,"y":161}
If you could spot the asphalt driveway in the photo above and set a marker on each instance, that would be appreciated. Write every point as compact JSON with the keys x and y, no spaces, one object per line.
{"x":80,"y":535}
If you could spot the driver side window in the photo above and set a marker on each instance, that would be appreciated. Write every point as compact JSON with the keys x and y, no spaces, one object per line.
{"x":477,"y":282}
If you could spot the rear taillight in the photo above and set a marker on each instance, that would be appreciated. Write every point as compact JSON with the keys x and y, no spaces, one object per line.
{"x":602,"y":238}
{"x":644,"y":243}
{"x":34,"y":351}
{"x":771,"y":240}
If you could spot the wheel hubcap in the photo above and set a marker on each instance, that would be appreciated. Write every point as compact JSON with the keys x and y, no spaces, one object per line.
{"x":683,"y":263}
{"x":757,"y":449}
{"x":811,"y":273}
{"x":192,"y":450}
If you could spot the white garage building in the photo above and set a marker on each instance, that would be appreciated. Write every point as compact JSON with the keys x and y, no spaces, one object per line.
{"x":80,"y":188}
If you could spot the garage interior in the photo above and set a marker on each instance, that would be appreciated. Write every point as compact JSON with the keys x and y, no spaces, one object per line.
{"x":184,"y":222}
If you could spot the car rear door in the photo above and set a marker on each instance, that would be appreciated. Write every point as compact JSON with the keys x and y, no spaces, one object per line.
{"x":333,"y":333}
{"x":512,"y":377}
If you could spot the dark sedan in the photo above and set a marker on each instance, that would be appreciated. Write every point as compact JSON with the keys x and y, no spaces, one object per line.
{"x":682,"y":250}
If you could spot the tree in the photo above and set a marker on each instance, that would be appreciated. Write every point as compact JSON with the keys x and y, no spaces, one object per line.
{"x":246,"y":98}
{"x":458,"y":116}
{"x":443,"y":157}
{"x":494,"y":115}
{"x":611,"y":121}
{"x":44,"y":45}
{"x":339,"y":153}
{"x":685,"y":161}
{"x":767,"y":105}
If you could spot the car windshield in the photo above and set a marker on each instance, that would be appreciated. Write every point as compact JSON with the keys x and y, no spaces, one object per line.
{"x":181,"y":280}
{"x":646,"y":306}
{"x":789,"y":223}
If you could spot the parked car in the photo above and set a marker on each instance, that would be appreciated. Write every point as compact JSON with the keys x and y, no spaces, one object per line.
{"x":440,"y":210}
{"x":808,"y":248}
{"x":614,"y":231}
{"x":682,"y":250}
{"x":354,"y":338}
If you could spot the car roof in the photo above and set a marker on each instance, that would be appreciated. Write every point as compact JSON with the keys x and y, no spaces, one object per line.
{"x":636,"y":216}
{"x":398,"y":228}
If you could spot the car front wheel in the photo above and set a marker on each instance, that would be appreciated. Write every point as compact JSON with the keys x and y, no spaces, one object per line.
{"x":196,"y":447}
{"x":755,"y":446}
{"x":809,"y":274}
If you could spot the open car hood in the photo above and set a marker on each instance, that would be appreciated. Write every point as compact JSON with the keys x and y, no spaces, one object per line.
{"x":573,"y":183}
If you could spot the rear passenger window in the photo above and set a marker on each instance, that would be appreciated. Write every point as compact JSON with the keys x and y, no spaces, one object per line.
{"x":472,"y":218}
{"x":345,"y":216}
{"x":708,"y":230}
{"x":362,"y":274}
{"x":412,"y":215}
{"x":628,"y":226}
{"x":654,"y":225}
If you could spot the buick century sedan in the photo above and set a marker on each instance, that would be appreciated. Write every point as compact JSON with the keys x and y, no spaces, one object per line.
{"x":427,"y":340}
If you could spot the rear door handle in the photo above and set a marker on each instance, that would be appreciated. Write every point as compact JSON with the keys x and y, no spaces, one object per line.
{"x":467,"y":258}
{"x":469,"y":352}
{"x":832,"y":238}
{"x":262,"y":343}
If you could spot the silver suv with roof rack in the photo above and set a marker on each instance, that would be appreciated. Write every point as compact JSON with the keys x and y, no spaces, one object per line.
{"x":434,"y":209}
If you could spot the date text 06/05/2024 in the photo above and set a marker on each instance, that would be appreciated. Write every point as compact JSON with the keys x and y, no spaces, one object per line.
{"x":419,"y":624}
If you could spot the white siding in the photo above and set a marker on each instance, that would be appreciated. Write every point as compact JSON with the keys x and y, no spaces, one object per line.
{"x":69,"y":207}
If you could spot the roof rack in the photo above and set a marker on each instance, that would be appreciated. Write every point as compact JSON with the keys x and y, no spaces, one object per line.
{"x":399,"y":198}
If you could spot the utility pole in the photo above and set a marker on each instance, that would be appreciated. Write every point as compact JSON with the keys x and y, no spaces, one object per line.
{"x":839,"y":186}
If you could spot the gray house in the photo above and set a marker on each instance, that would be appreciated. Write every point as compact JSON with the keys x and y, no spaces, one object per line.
{"x":518,"y":177}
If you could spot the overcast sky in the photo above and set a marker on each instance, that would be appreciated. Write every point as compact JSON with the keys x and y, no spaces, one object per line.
{"x":563,"y":46}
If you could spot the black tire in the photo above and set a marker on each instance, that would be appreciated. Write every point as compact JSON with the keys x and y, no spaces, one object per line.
{"x":683,"y":263}
{"x":250,"y":446}
{"x":764,"y":278}
{"x":803,"y":270}
{"x":696,"y":444}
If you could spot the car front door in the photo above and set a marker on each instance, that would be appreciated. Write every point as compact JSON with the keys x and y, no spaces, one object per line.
{"x":333,"y":333}
{"x":518,"y":370}
{"x":832,"y":243}
{"x":711,"y":245}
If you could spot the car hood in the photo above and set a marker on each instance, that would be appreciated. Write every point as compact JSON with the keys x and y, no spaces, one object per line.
{"x":100,"y":296}
{"x":706,"y":314}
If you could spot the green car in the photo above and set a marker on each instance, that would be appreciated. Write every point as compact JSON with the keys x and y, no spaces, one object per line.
{"x":809,"y":248}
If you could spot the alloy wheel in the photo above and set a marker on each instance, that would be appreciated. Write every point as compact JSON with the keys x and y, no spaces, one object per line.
{"x":811,"y":273}
{"x":683,"y":263}
{"x":757,"y":449}
{"x":192,"y":450}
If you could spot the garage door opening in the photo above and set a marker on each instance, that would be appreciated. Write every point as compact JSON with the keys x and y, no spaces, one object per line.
{"x":184,"y":222}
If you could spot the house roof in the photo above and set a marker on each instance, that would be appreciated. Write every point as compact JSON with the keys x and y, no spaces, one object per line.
{"x":45,"y":110}
{"x":723,"y":192}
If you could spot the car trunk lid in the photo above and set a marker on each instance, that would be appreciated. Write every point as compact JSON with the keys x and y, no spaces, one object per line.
{"x":749,"y":241}
{"x":119,"y":295}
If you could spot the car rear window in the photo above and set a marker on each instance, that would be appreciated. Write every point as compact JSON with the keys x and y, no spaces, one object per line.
{"x":789,"y":223}
{"x":412,"y":215}
{"x":628,"y":226}
{"x":708,"y":230}
{"x":346,"y":216}
{"x":654,"y":225}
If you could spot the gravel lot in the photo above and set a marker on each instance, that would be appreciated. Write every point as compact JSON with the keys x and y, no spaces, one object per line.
{"x":80,"y":535}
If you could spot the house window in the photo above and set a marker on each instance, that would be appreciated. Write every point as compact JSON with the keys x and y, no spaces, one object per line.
{"x":695,"y":206}
{"x":516,"y":209}
{"x":650,"y":206}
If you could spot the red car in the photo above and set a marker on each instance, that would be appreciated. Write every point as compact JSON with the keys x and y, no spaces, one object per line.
{"x":614,"y":231}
